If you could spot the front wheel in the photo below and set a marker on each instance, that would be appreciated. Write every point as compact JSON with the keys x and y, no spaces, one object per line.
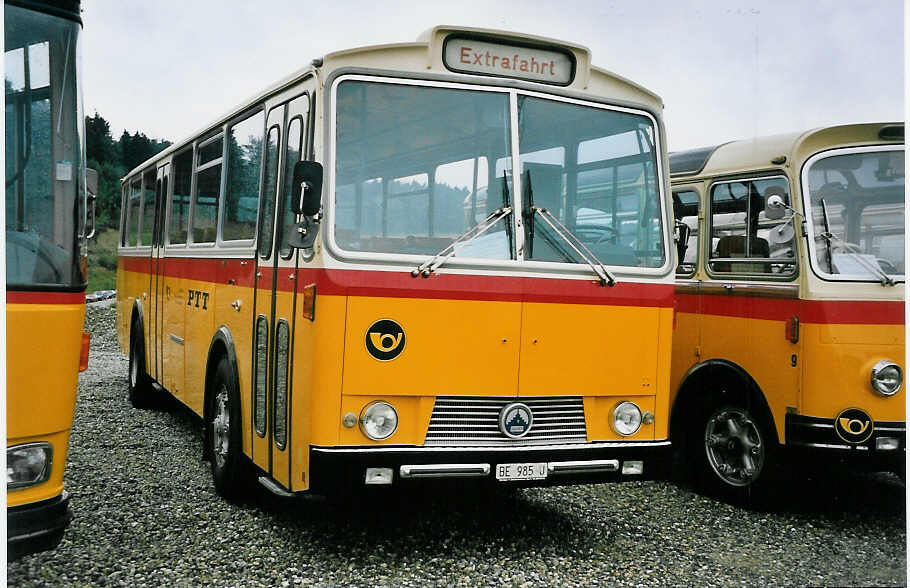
{"x":736,"y":452}
{"x":224,"y":434}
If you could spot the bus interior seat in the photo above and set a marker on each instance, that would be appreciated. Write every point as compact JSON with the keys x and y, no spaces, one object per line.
{"x":735,"y":246}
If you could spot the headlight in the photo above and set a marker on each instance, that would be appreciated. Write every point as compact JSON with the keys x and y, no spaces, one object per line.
{"x":378,"y":421}
{"x":626,"y":418}
{"x":886,"y":378}
{"x":27,"y":465}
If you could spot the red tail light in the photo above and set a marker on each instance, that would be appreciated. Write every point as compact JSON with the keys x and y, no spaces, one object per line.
{"x":83,"y":357}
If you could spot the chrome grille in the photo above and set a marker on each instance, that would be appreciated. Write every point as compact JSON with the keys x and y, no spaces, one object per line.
{"x":474,"y":421}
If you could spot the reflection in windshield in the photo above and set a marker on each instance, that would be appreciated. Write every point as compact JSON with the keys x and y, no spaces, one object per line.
{"x":864,"y":196}
{"x":413,"y":168}
{"x":44,"y":150}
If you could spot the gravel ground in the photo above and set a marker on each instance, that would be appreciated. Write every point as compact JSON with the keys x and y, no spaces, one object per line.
{"x":146,"y":514}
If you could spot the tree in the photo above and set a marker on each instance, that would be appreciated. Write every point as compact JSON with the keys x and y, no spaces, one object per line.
{"x":99,"y":144}
{"x":113,"y":160}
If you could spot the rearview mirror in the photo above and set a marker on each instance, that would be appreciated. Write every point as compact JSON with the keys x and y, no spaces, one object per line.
{"x":306,"y":189}
{"x":91,"y":196}
{"x":775,"y":205}
{"x":682,"y":240}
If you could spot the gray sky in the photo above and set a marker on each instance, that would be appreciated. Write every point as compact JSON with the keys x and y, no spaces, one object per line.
{"x":726,"y":69}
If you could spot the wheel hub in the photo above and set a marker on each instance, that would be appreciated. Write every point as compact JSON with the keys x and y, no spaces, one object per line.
{"x":221,"y":428}
{"x":734,"y":447}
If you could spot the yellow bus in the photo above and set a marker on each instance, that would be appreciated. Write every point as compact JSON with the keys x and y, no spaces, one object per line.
{"x":45,"y":264}
{"x":789,"y":337}
{"x":351,"y":282}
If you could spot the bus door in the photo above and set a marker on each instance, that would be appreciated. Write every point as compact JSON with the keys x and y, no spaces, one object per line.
{"x":147,"y":238}
{"x":276,"y":291}
{"x":155,"y":324}
{"x":686,"y":333}
{"x":750,"y":308}
{"x":171,"y":280}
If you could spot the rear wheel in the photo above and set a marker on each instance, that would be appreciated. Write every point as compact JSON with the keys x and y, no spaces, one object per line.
{"x":139,"y":386}
{"x":228,"y":467}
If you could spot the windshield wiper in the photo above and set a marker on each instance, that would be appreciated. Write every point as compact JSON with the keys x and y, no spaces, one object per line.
{"x":854,"y":251}
{"x":605,"y":278}
{"x":563,"y":232}
{"x":429,"y":266}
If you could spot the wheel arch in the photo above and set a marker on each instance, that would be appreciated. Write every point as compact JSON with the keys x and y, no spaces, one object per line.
{"x":700,"y":384}
{"x":221,"y":346}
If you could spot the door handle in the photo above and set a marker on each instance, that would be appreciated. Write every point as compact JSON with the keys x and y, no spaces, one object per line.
{"x":236,"y":304}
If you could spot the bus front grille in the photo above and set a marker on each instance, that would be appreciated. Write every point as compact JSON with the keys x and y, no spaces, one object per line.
{"x":474,"y":421}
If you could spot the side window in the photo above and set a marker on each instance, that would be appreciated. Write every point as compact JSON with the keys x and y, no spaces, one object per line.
{"x":294,"y":144}
{"x":180,"y":201}
{"x":685,"y":213}
{"x":132,"y":232}
{"x":260,"y":373}
{"x":241,"y":195}
{"x":124,"y":213}
{"x":743,"y":239}
{"x":269,"y":185}
{"x":149,"y":202}
{"x":208,"y":186}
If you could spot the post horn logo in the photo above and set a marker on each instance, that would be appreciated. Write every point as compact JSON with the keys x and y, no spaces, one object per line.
{"x":515,"y":420}
{"x":385,"y":340}
{"x":853,"y":425}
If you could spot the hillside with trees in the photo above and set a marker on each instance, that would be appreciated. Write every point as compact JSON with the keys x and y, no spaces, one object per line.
{"x":112,"y":159}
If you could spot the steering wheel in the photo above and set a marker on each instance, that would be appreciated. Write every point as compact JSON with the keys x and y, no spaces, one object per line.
{"x":597,"y":234}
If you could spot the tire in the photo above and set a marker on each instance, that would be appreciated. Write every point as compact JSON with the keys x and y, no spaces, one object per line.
{"x":735,"y":453}
{"x":229,"y":471}
{"x":139,"y":386}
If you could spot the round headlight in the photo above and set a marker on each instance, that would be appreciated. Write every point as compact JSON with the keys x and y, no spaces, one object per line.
{"x":626,"y":418}
{"x":886,"y":378}
{"x":378,"y":420}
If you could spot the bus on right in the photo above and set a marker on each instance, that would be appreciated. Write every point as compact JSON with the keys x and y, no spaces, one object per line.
{"x":788,"y":343}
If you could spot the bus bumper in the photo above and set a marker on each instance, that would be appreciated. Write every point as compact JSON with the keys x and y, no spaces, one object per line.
{"x":338,"y":468}
{"x":38,"y":526}
{"x":884,"y":450}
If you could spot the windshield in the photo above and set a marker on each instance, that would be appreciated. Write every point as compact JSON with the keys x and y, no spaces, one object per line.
{"x":45,"y":171}
{"x":419,"y":165}
{"x":596,"y":171}
{"x":862,"y":190}
{"x":414,"y":166}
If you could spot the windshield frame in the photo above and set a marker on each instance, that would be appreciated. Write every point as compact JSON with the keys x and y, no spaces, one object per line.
{"x":813,"y":232}
{"x":511,"y":89}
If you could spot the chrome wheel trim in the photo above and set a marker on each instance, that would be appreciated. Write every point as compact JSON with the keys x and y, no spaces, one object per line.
{"x":221,"y":427}
{"x":134,"y":366}
{"x":734,"y":446}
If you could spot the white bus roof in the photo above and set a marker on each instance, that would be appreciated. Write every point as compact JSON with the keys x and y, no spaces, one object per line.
{"x":765,"y":152}
{"x":425,"y":56}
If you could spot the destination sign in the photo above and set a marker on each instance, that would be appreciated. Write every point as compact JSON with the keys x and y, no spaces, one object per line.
{"x":499,"y":59}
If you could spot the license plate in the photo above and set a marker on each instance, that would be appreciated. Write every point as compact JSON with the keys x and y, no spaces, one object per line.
{"x":516,"y":472}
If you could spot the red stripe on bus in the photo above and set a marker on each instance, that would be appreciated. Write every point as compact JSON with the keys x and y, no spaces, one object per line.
{"x":479,"y":287}
{"x":854,"y":312}
{"x":848,"y":312}
{"x":45,"y":297}
{"x":400,"y":284}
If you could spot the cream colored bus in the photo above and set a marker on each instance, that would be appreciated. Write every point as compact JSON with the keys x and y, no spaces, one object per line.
{"x":477,"y":282}
{"x":789,"y":338}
